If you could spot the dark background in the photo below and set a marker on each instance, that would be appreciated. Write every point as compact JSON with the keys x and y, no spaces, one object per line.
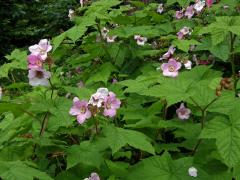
{"x":25,"y":22}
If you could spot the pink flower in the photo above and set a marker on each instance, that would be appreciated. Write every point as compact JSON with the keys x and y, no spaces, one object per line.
{"x":78,"y":70}
{"x":98,"y":98}
{"x":94,"y":176}
{"x":111,"y":104}
{"x":41,"y":49}
{"x":80,"y":109}
{"x":39,"y":77}
{"x":171,"y":68}
{"x":114,"y":80}
{"x":169,"y":53}
{"x":140,"y":40}
{"x":189,"y":12}
{"x":34,"y":62}
{"x":183,"y":32}
{"x":183,"y":112}
{"x":209,"y":3}
{"x":80,"y":84}
{"x":179,"y":14}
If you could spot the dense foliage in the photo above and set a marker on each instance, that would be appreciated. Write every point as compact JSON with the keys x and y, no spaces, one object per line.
{"x":132,"y":90}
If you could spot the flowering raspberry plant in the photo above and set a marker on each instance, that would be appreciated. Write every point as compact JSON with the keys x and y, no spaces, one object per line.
{"x":133,"y":90}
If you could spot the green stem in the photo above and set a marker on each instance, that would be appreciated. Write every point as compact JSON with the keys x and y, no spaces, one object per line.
{"x":165,"y":110}
{"x":203,"y":111}
{"x":45,"y":118}
{"x":104,"y":44}
{"x":235,"y":79}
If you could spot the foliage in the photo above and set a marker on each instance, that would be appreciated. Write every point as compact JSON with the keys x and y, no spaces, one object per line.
{"x":151,"y":136}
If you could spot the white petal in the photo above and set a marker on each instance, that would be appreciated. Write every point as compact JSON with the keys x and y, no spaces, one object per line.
{"x":35,"y":49}
{"x":38,"y":82}
{"x":31,"y":74}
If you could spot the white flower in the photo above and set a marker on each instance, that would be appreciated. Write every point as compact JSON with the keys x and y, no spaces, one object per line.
{"x":104,"y":32}
{"x":160,"y":8}
{"x":38,"y":77}
{"x":140,"y":40}
{"x":188,"y":64}
{"x":111,"y":39}
{"x":97,"y":98}
{"x":192,"y":171}
{"x":199,"y":6}
{"x":81,"y":2}
{"x":71,"y":13}
{"x":41,"y":49}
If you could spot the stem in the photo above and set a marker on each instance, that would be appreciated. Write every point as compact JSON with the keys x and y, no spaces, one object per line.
{"x":232,"y":38}
{"x":96,"y":126}
{"x":203,"y":111}
{"x":165,"y":110}
{"x":102,"y":39}
{"x":45,"y":118}
{"x":44,"y":124}
{"x":203,"y":119}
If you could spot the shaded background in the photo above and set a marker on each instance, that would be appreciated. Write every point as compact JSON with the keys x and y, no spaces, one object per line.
{"x":24,"y":22}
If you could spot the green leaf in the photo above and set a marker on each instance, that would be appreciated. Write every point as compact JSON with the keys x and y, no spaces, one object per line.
{"x":119,"y":137}
{"x":224,"y":103}
{"x":184,"y":44}
{"x":182,"y":3}
{"x":148,"y":31}
{"x":227,"y":135}
{"x":75,"y":32}
{"x":18,"y":61}
{"x":164,"y":168}
{"x":17,"y":170}
{"x":85,"y":153}
{"x":58,"y":40}
{"x":102,"y":74}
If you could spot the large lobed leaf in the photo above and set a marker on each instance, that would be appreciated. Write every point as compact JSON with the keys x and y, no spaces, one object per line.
{"x":226,"y":131}
{"x":119,"y":137}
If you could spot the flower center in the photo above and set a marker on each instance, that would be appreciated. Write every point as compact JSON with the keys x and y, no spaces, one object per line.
{"x":39,"y":63}
{"x":108,"y":105}
{"x":82,"y":110}
{"x":182,"y":111}
{"x":171,"y":68}
{"x":39,"y":74}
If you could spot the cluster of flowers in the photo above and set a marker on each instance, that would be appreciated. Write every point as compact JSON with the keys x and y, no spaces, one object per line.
{"x":172,"y":67}
{"x":192,"y":9}
{"x":103,"y":101}
{"x":93,"y":176}
{"x":105,"y":35}
{"x":37,"y":74}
